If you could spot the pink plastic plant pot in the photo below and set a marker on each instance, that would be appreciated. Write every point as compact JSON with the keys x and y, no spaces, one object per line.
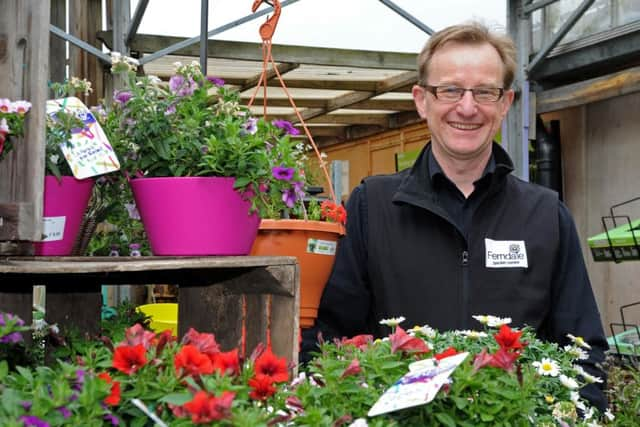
{"x":194,"y":216}
{"x":65,"y":202}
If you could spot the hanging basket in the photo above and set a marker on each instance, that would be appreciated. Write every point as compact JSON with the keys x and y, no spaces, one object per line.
{"x":313,"y":243}
{"x":65,"y":202}
{"x":194,"y":216}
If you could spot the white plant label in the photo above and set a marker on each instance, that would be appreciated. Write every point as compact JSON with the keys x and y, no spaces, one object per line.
{"x":321,"y":247}
{"x":53,"y":228}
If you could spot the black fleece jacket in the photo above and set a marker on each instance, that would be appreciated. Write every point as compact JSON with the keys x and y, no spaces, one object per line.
{"x":405,"y":254}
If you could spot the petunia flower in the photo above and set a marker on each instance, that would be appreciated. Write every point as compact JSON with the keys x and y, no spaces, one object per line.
{"x":275,"y":367}
{"x":286,"y":126}
{"x":128,"y":359}
{"x":4,"y":127}
{"x":204,"y":342}
{"x":262,"y":387}
{"x":189,"y":361}
{"x":250,"y":127}
{"x":283,"y":173}
{"x":508,"y":339}
{"x":353,"y":368}
{"x":216,"y":81}
{"x":227,"y":363}
{"x":122,"y":96}
{"x":33,"y":421}
{"x":401,"y":341}
{"x":206,"y":408}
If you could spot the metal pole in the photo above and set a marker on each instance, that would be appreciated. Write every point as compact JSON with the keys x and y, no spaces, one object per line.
{"x":135,"y":21}
{"x":204,"y":38}
{"x":406,"y":15}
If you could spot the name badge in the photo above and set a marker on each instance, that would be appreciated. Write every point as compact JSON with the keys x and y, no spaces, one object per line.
{"x":505,"y":253}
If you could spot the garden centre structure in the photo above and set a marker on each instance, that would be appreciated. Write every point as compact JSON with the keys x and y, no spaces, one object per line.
{"x":579,"y":67}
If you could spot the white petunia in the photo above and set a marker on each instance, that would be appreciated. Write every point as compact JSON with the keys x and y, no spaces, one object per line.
{"x":568,"y":382}
{"x":609,"y":415}
{"x":547,"y":367}
{"x":393,"y":321}
{"x":579,"y":341}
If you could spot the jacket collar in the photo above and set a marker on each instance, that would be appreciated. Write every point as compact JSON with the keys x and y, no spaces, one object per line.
{"x":416,"y":187}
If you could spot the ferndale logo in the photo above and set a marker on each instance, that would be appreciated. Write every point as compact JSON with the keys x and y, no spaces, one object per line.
{"x":505,"y":253}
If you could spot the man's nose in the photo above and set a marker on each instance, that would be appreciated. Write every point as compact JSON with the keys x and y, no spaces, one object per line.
{"x":467,"y":105}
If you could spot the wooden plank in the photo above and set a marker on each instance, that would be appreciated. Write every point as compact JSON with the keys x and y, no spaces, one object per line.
{"x":256,"y":320}
{"x":14,"y":218}
{"x":75,"y":309}
{"x":282,"y":53}
{"x":211,"y":309}
{"x":85,"y":17}
{"x":24,"y":35}
{"x":588,"y":91}
{"x":57,"y":46}
{"x":285,"y":315}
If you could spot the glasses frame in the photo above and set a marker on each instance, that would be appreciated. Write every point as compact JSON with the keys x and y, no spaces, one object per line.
{"x":434,"y":90}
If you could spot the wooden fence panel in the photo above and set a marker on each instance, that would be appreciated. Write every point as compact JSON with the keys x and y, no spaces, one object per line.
{"x":24,"y":58}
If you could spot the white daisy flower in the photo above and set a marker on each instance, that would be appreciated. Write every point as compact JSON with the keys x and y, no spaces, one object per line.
{"x":482,"y":318}
{"x":474,"y":335}
{"x":547,"y":367}
{"x":425,"y":330}
{"x":568,"y":382}
{"x":588,"y":378}
{"x":576,"y":352}
{"x":496,"y":322}
{"x":579,"y":341}
{"x":393,"y":321}
{"x":608,"y":415}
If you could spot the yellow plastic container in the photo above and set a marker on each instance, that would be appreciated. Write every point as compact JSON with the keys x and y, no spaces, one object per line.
{"x":163,"y":316}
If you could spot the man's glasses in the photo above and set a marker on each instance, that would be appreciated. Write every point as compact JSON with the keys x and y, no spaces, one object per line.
{"x":482,"y":95}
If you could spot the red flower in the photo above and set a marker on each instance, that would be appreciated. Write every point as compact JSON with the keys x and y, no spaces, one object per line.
{"x":114,"y":397}
{"x":359,"y":341}
{"x":451,"y":351}
{"x":504,"y":359}
{"x":227,"y":363}
{"x":332,"y":212}
{"x":401,"y":341}
{"x":352,"y":369}
{"x":268,"y":364}
{"x":129,"y":358}
{"x":138,"y":335}
{"x":205,"y":342}
{"x":205,"y":408}
{"x":262,"y":386}
{"x":508,"y":338}
{"x":190,"y":361}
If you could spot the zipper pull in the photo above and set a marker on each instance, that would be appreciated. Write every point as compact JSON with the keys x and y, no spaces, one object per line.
{"x":465,"y":258}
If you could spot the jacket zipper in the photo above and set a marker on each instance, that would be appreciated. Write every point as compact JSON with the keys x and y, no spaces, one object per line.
{"x":464,"y":309}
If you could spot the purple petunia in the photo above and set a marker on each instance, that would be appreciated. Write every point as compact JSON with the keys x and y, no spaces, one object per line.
{"x":283,"y":173}
{"x":289,"y":197}
{"x":12,"y":337}
{"x":33,"y":421}
{"x":122,"y":97}
{"x":216,"y":81}
{"x":286,"y":126}
{"x":250,"y":127}
{"x":66,"y":413}
{"x":182,"y":87}
{"x":112,"y":419}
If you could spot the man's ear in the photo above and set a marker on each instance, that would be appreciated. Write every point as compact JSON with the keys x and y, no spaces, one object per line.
{"x":419,"y":98}
{"x":507,"y":101}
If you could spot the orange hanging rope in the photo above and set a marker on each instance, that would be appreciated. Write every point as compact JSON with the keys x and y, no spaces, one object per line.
{"x":266,"y":33}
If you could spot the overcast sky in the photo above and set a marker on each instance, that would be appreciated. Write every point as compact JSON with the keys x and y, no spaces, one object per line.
{"x":348,"y":24}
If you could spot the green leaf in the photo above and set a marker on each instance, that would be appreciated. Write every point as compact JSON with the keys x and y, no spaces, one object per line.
{"x":445,"y":419}
{"x":4,"y":369}
{"x":241,"y":182}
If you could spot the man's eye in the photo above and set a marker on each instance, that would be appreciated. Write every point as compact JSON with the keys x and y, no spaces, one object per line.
{"x":450,"y":90}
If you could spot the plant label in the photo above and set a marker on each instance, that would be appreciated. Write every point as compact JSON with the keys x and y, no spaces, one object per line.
{"x":53,"y":228}
{"x":322,"y":247}
{"x":419,"y":386}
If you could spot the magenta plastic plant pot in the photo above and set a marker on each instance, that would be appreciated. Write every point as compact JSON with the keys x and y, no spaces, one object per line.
{"x":194,"y":216}
{"x":65,"y":203}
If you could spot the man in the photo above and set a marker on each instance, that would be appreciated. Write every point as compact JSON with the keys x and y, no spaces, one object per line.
{"x":457,"y":235}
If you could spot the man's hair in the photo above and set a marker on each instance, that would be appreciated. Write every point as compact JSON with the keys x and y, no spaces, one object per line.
{"x":473,"y":33}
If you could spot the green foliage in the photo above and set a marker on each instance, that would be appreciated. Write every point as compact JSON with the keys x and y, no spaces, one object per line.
{"x":194,"y":126}
{"x":624,"y":393}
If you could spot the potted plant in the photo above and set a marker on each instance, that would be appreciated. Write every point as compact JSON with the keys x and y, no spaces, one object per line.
{"x":295,"y":225}
{"x":196,"y":159}
{"x":65,"y":197}
{"x":12,"y":116}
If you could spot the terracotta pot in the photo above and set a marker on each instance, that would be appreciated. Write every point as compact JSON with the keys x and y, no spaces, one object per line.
{"x":194,"y":216}
{"x":314,"y":244}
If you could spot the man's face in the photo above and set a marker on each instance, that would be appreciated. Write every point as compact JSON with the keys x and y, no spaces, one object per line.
{"x":464,"y":129}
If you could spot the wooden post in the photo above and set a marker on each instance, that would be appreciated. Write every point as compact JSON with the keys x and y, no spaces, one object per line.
{"x":85,"y":20}
{"x":24,"y":54}
{"x":57,"y":46}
